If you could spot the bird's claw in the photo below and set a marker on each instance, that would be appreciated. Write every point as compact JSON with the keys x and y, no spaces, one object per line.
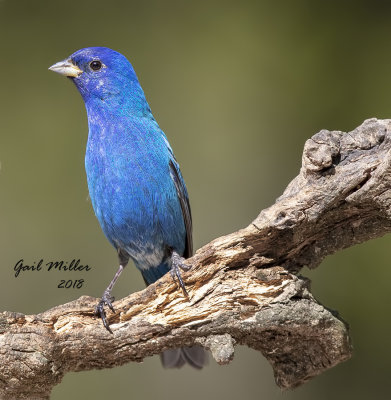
{"x":107,"y":300}
{"x":177,"y":265}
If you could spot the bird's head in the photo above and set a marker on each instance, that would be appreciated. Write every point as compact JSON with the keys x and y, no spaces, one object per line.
{"x":102,"y":74}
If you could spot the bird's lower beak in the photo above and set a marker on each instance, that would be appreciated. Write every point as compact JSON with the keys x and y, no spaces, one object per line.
{"x":66,"y":68}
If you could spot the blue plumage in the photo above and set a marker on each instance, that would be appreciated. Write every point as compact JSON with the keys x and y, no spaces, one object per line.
{"x":128,"y":164}
{"x":132,"y":191}
{"x":136,"y":188}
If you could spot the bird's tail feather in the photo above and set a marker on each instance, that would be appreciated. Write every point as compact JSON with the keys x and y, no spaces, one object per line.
{"x":176,"y":358}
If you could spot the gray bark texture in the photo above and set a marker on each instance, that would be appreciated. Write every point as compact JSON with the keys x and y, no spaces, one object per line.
{"x":244,"y":288}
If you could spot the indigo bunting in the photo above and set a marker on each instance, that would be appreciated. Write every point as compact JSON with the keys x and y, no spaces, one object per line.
{"x":134,"y":181}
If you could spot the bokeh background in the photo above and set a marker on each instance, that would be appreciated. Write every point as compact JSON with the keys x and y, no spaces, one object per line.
{"x":238,"y":86}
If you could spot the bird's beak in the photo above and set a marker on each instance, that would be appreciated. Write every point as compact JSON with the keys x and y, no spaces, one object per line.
{"x":66,"y":68}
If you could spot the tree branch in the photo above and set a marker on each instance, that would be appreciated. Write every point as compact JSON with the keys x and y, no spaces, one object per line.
{"x":243,"y":287}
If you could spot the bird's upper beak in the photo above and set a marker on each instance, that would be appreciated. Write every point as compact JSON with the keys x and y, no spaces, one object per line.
{"x":66,"y":68}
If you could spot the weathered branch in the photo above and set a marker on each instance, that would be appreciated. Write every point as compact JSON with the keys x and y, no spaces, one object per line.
{"x":243,"y":288}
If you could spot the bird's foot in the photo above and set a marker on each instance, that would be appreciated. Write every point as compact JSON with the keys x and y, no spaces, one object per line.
{"x":107,"y":300}
{"x":178,"y":263}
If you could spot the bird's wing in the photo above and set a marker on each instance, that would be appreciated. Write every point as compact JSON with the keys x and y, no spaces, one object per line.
{"x":185,"y":206}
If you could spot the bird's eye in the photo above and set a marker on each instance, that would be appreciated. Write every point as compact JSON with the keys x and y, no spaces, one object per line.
{"x":95,"y":65}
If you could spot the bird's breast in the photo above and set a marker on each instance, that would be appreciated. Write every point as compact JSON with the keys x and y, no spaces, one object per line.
{"x":133,"y":195}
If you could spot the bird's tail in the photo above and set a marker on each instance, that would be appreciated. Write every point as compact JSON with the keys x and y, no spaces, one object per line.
{"x":195,"y":356}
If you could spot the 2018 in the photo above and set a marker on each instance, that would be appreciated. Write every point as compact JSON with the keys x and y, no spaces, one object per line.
{"x":71,"y":284}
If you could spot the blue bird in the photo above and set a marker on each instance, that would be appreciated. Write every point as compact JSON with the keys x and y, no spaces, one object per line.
{"x":135,"y":184}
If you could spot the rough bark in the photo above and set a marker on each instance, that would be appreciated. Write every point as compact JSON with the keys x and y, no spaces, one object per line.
{"x":243,"y":287}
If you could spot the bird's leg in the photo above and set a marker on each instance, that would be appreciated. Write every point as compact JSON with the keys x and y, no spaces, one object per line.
{"x":107,"y":299}
{"x":178,"y":263}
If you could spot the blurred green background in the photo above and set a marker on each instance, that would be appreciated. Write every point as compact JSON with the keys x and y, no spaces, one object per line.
{"x":238,"y":87}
